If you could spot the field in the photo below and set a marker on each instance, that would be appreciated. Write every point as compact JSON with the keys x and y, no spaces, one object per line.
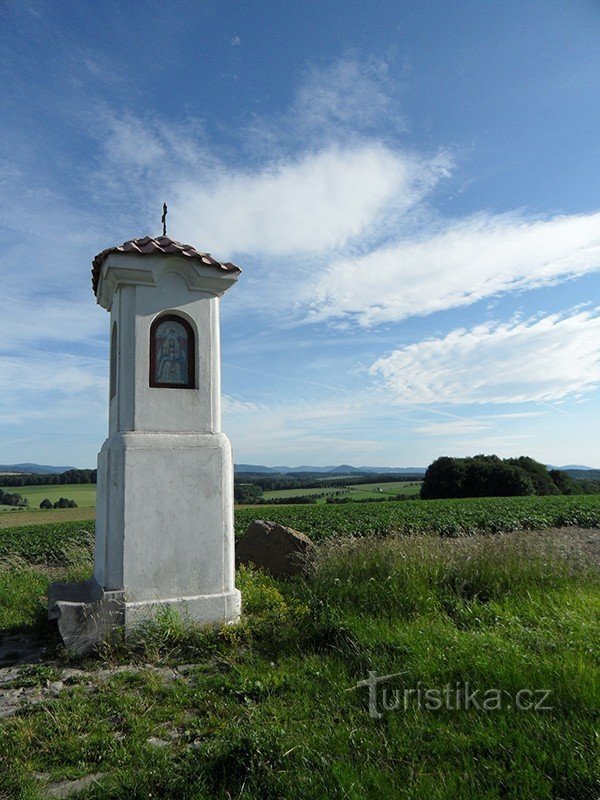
{"x":353,"y":491}
{"x":271,"y":707}
{"x":84,"y":494}
{"x":52,"y":516}
{"x":448,"y":518}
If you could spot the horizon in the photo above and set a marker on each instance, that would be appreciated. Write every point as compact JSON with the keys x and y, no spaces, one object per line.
{"x":305,"y":467}
{"x":419,"y":229}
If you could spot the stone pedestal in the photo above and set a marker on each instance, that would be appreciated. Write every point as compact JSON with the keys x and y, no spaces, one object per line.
{"x":164,"y":517}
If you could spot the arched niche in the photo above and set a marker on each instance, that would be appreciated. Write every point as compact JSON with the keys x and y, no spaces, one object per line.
{"x":172,"y":353}
{"x":114,"y":351}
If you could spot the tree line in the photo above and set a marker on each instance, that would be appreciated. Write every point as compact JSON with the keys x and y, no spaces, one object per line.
{"x":309,"y":480}
{"x":491,"y":476}
{"x":56,"y":479}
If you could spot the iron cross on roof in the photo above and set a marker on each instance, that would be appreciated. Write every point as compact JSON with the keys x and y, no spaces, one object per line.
{"x":164,"y":219}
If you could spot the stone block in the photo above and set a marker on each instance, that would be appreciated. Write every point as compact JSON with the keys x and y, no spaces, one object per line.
{"x":275,"y":548}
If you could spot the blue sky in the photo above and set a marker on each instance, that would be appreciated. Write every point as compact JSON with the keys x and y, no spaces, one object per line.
{"x":412,"y":191}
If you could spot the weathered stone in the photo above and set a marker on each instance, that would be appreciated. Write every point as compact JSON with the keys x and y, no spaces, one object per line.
{"x":156,"y":742}
{"x":70,"y":675}
{"x":185,"y":669}
{"x":69,"y":788}
{"x":8,"y":675}
{"x":16,"y":698}
{"x":84,"y":613}
{"x":273,"y":547}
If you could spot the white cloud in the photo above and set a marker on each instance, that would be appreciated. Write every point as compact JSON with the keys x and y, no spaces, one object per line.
{"x":459,"y":265}
{"x":352,"y":92}
{"x":231,"y":405}
{"x":458,"y":427}
{"x":54,"y":397}
{"x":316,"y":178}
{"x":534,"y":360}
{"x":46,"y":374}
{"x":309,"y":205}
{"x":30,"y":320}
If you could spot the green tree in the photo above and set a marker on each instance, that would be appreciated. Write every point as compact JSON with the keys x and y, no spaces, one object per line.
{"x":247,"y":492}
{"x":565,"y":483}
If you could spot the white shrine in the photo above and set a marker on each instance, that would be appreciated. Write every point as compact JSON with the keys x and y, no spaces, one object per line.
{"x":164,"y":515}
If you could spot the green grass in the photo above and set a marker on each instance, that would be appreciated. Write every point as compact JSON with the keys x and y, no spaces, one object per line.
{"x":84,"y":494}
{"x":270,"y":712}
{"x":360,"y":491}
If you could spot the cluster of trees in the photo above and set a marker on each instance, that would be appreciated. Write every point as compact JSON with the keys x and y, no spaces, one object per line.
{"x":55,"y":479}
{"x":9,"y":499}
{"x":251,"y":494}
{"x":62,"y":503}
{"x":309,"y":480}
{"x":383,"y":499}
{"x":303,"y":499}
{"x":491,"y":476}
{"x":246,"y":492}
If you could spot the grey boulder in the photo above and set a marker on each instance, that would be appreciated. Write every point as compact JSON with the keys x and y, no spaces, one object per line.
{"x":273,"y":547}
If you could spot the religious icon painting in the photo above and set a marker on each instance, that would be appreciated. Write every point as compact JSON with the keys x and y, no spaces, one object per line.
{"x":171,"y":353}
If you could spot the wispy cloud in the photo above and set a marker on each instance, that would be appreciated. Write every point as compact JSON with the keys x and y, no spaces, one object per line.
{"x":461,"y":263}
{"x":350,"y":213}
{"x":353,"y":93}
{"x":534,"y":360}
{"x":308,"y":206}
{"x":317,"y":177}
{"x":454,"y":428}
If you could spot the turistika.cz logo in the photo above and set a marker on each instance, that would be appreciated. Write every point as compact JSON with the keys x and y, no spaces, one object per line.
{"x":459,"y":696}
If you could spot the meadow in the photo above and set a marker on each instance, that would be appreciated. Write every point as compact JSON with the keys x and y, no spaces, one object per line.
{"x":270,"y":707}
{"x":372,"y":491}
{"x":84,"y":494}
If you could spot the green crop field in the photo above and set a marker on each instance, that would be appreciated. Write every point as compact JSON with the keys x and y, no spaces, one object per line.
{"x":84,"y":494}
{"x":358,"y":492}
{"x":445,"y":517}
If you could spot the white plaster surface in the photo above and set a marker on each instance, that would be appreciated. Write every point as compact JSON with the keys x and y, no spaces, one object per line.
{"x":203,"y":609}
{"x":166,"y":525}
{"x":164,"y":518}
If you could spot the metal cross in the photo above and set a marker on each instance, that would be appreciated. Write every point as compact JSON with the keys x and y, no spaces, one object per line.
{"x":164,"y":219}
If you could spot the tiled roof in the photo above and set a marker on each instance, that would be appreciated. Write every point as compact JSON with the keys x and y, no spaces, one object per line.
{"x":149,"y":246}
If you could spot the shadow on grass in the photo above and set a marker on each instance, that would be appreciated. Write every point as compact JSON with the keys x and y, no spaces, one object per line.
{"x":28,"y":644}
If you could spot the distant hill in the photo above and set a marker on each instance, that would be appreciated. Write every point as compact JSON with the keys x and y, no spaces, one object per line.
{"x":577,"y":467}
{"x":35,"y":469}
{"x":579,"y":472}
{"x":583,"y":474}
{"x":341,"y":469}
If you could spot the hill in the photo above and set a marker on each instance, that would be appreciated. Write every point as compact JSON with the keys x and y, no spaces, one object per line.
{"x":341,"y":469}
{"x":34,"y":469}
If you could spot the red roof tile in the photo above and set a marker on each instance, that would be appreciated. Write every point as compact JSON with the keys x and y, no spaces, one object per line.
{"x":147,"y":246}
